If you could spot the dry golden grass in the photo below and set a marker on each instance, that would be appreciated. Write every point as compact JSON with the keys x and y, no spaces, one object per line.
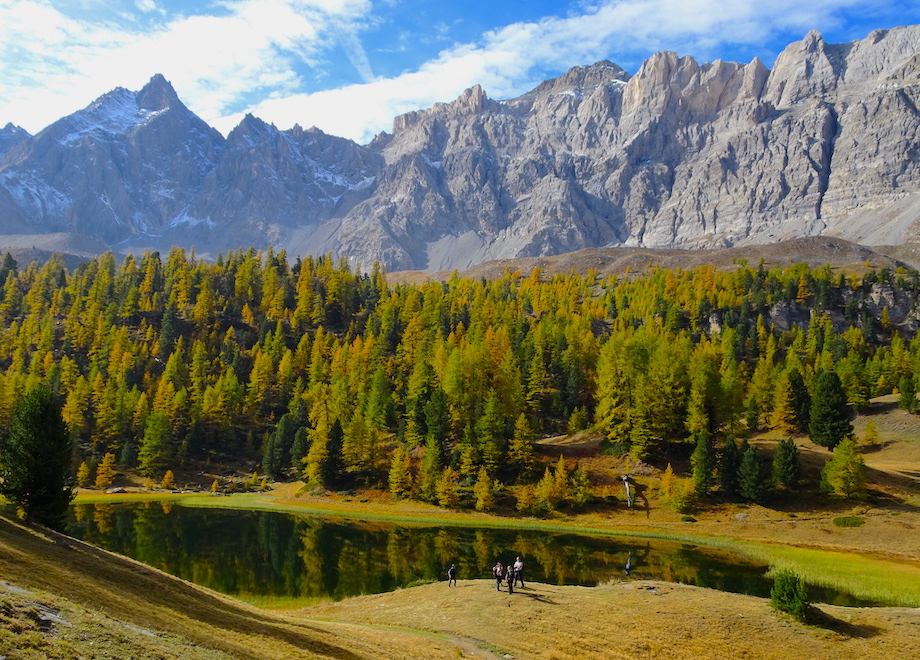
{"x":631,"y":620}
{"x":78,"y":575}
{"x":121,"y":609}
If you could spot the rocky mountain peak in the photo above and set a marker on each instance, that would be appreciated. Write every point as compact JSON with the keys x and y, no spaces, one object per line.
{"x":682,"y":154}
{"x":10,"y":136}
{"x":157,"y":95}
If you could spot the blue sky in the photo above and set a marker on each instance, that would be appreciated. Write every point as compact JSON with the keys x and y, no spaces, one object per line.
{"x":350,"y":66}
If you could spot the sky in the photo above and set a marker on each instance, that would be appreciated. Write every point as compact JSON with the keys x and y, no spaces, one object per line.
{"x":349,"y":67}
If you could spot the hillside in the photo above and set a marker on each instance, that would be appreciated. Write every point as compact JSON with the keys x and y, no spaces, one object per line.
{"x":60,"y":598}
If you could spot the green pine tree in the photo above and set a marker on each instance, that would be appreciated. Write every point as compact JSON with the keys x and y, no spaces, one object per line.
{"x":35,"y":459}
{"x":751,"y":475}
{"x":786,"y":467}
{"x":830,"y":412}
{"x":703,"y":461}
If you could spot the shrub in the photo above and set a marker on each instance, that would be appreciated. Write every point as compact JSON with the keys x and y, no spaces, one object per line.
{"x":849,"y":521}
{"x":789,"y":595}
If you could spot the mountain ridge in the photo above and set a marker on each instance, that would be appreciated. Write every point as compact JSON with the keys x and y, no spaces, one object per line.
{"x":678,"y":155}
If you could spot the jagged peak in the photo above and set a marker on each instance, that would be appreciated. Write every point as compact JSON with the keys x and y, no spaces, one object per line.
{"x":13,"y":129}
{"x":158,"y":94}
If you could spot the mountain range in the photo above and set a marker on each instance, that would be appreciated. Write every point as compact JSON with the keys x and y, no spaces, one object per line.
{"x":679,"y":155}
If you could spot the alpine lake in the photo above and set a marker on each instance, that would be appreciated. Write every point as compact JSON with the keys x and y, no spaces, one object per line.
{"x":268,"y":557}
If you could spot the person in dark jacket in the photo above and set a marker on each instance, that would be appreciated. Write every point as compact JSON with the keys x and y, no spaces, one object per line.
{"x":509,"y":578}
{"x":452,"y":576}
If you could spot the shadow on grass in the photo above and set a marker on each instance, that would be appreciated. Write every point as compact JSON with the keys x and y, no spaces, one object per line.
{"x":540,"y":598}
{"x":821,"y":619}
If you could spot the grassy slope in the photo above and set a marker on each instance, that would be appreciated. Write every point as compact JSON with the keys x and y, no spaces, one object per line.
{"x":80,"y":577}
{"x":119,"y":608}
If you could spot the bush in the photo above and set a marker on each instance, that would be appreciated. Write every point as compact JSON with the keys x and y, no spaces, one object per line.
{"x":789,"y":595}
{"x":849,"y":521}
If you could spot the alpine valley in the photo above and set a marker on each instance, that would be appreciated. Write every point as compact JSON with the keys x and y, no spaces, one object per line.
{"x":679,"y":155}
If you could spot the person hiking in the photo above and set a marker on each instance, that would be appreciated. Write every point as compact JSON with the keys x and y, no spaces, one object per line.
{"x":497,"y":573}
{"x":509,"y":578}
{"x":519,"y":571}
{"x":452,"y":576}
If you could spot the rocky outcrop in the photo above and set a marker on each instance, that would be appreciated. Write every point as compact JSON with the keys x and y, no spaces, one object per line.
{"x":680,"y":155}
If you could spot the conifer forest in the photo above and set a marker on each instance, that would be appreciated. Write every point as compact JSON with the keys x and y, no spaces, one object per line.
{"x":318,"y":372}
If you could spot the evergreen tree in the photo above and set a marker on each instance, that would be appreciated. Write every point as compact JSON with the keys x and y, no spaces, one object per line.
{"x":271,"y":459}
{"x":729,"y":462}
{"x":845,"y":474}
{"x":703,"y":461}
{"x":800,"y":400}
{"x":299,"y":449}
{"x":830,"y":412}
{"x":907,"y":399}
{"x":35,"y":459}
{"x":786,"y":467}
{"x":751,"y":475}
{"x":156,"y":445}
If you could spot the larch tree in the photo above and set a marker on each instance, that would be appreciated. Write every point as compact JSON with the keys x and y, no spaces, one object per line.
{"x":400,"y":477}
{"x":105,"y":472}
{"x":482,"y":491}
{"x":845,"y":474}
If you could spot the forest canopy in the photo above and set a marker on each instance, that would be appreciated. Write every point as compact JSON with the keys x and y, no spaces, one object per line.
{"x":315,"y":370}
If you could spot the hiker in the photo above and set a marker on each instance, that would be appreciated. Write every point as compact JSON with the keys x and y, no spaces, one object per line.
{"x":497,"y":572}
{"x":519,"y":571}
{"x":509,"y":578}
{"x":452,"y":576}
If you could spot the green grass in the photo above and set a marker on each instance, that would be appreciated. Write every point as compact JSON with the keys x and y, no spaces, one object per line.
{"x":849,"y":521}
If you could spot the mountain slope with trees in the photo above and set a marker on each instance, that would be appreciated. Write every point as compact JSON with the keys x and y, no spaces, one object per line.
{"x":313,"y":370}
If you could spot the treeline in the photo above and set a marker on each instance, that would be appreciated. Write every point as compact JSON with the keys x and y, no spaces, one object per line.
{"x":321,"y":372}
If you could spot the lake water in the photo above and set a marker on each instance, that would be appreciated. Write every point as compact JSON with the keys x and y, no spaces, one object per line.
{"x":275,"y":555}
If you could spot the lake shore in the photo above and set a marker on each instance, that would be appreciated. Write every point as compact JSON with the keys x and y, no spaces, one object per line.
{"x":109,"y":606}
{"x":877,"y":561}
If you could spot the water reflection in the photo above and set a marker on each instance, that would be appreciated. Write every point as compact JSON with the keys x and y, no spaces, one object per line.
{"x":279,"y":555}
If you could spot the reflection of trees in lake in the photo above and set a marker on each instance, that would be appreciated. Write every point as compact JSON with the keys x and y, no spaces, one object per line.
{"x":102,"y":518}
{"x":272,"y":554}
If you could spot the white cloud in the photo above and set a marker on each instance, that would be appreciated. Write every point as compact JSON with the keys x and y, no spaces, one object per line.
{"x":504,"y":60}
{"x":54,"y":64}
{"x":60,"y":63}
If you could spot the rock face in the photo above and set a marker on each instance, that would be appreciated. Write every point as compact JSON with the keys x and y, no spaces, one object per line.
{"x":681,"y":154}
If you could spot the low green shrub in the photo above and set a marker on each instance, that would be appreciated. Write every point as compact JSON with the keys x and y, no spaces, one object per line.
{"x":789,"y":595}
{"x":849,"y":521}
